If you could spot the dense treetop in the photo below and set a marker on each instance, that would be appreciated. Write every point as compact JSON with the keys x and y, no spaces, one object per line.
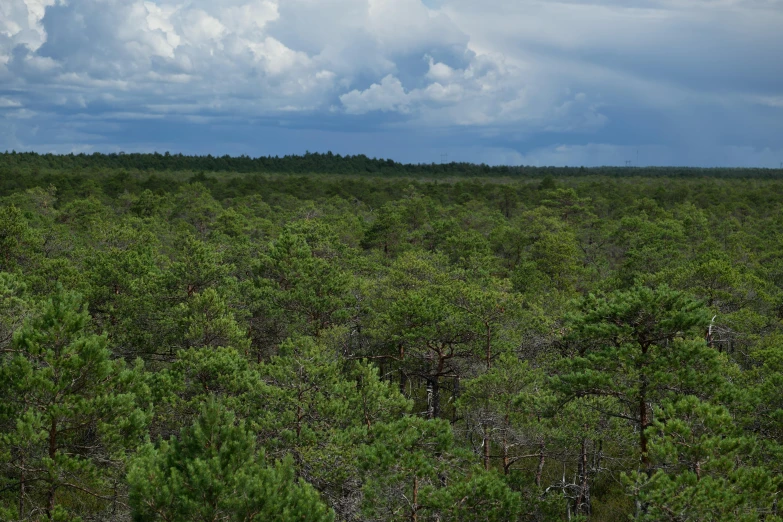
{"x":187,"y":338}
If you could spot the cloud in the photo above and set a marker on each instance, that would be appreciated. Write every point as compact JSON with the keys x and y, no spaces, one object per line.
{"x":6,"y":103}
{"x":519,"y":79}
{"x":770,"y":101}
{"x":256,"y":58}
{"x":389,"y":95}
{"x":20,"y":24}
{"x":136,"y":50}
{"x":608,"y":154}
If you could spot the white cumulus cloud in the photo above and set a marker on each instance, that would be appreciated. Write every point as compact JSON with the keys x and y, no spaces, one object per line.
{"x":389,"y":95}
{"x":258,"y":57}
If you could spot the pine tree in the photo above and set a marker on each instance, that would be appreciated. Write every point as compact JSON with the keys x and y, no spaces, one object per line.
{"x":504,"y":411}
{"x":638,"y":348}
{"x":13,"y":307}
{"x":68,"y":417}
{"x":709,"y":469}
{"x":300,"y":289}
{"x":213,"y":471}
{"x":13,"y":228}
{"x":320,"y":410}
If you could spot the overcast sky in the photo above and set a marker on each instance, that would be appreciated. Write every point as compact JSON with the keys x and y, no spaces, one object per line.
{"x":580,"y":82}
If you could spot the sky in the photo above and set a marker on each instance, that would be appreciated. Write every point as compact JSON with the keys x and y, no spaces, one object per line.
{"x":516,"y":82}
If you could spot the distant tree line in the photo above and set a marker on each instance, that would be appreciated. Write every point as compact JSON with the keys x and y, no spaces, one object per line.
{"x":329,"y":163}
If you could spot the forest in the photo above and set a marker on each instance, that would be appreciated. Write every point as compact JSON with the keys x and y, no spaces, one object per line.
{"x":329,"y":338}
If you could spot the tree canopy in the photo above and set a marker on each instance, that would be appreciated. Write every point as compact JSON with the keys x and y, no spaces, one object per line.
{"x":324,"y":337}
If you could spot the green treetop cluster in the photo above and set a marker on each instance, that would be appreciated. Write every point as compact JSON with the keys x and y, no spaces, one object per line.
{"x":264,"y":344}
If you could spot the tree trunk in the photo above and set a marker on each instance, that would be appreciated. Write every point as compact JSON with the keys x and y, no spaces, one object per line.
{"x":21,"y":489}
{"x":433,"y":398}
{"x":52,"y":455}
{"x":644,"y":422}
{"x":436,"y":397}
{"x":506,"y":464}
{"x":415,"y":507}
{"x":489,"y":346}
{"x":583,"y":499}
{"x":486,"y":447}
{"x":299,"y":415}
{"x":540,"y":468}
{"x":598,"y":453}
{"x":454,"y":397}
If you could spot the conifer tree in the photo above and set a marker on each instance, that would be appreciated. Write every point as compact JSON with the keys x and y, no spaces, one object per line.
{"x":320,"y":410}
{"x":638,"y":348}
{"x":69,"y":416}
{"x":213,"y":471}
{"x":13,"y":307}
{"x":708,"y":469}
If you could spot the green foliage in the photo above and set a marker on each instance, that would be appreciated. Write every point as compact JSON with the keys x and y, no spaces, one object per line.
{"x":405,"y":456}
{"x":319,"y":411}
{"x":640,"y":348}
{"x":709,"y":470}
{"x":763,"y":393}
{"x":69,"y":414}
{"x":480,"y":496}
{"x":301,"y":286}
{"x":415,"y":343}
{"x":648,"y":245}
{"x":214,"y":472}
{"x":202,"y":374}
{"x":13,"y":307}
{"x":13,"y":230}
{"x":550,"y":258}
{"x":506,"y":410}
{"x":205,"y":320}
